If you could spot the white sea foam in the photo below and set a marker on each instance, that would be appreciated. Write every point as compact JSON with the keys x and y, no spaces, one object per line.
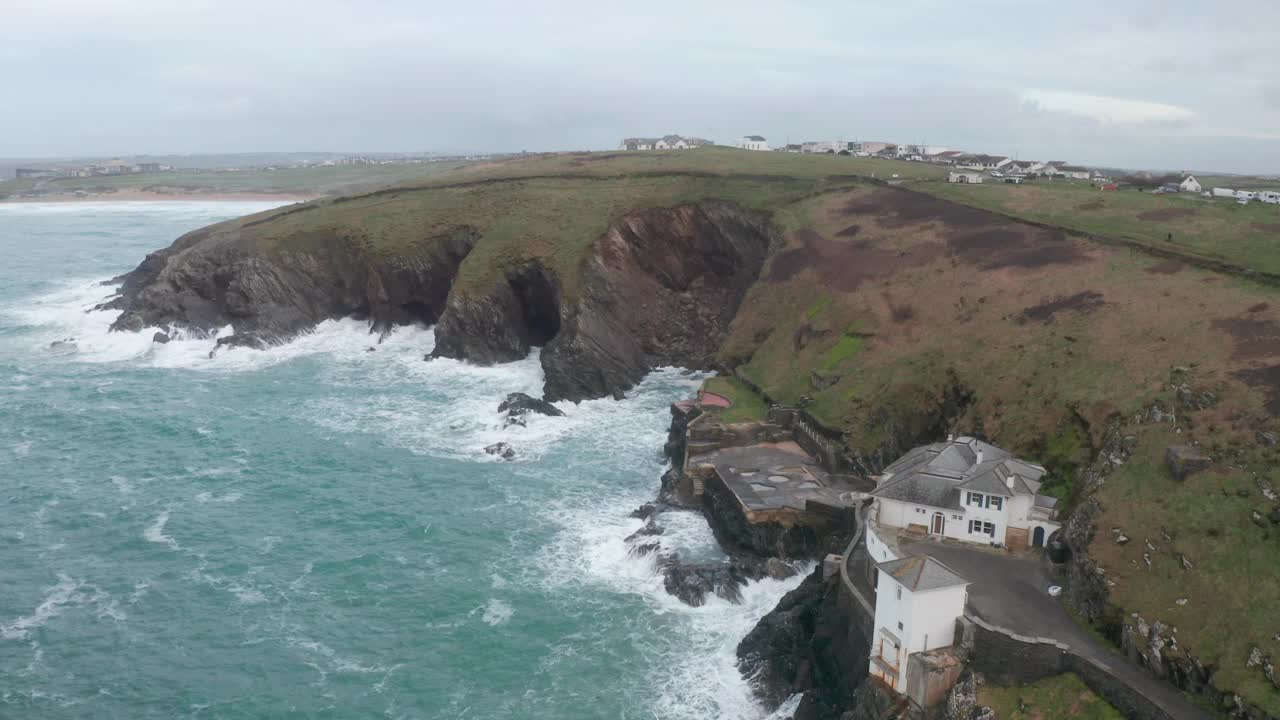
{"x":208,"y":497}
{"x":22,"y":449}
{"x":496,"y":612}
{"x":155,"y":531}
{"x":67,"y":591}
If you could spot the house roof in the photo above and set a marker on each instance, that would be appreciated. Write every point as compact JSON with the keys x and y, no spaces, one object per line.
{"x":1073,"y":168}
{"x":921,"y":572}
{"x":933,"y":475}
{"x":757,"y":138}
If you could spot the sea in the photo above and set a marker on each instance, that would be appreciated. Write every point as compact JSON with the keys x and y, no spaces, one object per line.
{"x":315,"y":530}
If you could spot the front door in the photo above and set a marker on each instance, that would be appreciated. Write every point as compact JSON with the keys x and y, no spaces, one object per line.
{"x":1037,"y":537}
{"x":939,"y":523}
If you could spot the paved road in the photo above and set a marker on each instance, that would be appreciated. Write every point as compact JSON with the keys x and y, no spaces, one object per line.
{"x":1012,"y":592}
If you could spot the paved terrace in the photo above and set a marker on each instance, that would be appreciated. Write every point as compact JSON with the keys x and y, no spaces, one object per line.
{"x":775,"y":476}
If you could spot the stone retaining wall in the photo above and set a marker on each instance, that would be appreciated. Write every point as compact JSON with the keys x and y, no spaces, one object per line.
{"x":1013,"y":659}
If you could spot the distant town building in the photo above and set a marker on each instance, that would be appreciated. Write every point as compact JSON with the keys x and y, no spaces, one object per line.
{"x":971,"y":177}
{"x":980,"y":162}
{"x":753,"y":142}
{"x":875,"y":147}
{"x":1190,"y":184}
{"x":36,"y":173}
{"x":1075,"y":172}
{"x":666,"y":142}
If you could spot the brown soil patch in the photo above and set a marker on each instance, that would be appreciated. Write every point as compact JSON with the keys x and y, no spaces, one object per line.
{"x":843,"y":265}
{"x":1167,"y":267}
{"x":1164,"y":214}
{"x":1082,"y":302}
{"x":1091,"y":205}
{"x":1259,"y":307}
{"x":1273,"y":228}
{"x":1010,"y":246}
{"x":1267,"y":381}
{"x":850,"y":231}
{"x":1254,"y":337}
{"x":900,"y":208}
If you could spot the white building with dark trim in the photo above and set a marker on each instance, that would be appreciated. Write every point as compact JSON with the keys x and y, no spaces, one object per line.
{"x":918,"y":600}
{"x":969,"y":490}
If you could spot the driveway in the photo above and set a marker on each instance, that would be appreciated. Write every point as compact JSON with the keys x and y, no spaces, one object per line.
{"x":1011,"y":592}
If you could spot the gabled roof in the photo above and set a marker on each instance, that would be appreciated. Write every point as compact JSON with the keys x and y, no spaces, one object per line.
{"x":933,"y":475}
{"x":921,"y":572}
{"x":757,"y":138}
{"x":1073,"y":168}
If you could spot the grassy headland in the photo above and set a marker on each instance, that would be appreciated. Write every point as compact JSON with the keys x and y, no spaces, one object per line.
{"x":896,"y":314}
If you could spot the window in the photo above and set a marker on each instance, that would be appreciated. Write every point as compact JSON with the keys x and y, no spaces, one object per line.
{"x":956,"y":517}
{"x":974,"y":499}
{"x":995,"y":502}
{"x":899,"y":624}
{"x":977,"y":527}
{"x":899,"y":592}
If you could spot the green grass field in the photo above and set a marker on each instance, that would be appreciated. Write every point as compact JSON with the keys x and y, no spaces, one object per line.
{"x":1247,"y":235}
{"x":747,"y":405}
{"x":1055,"y":698}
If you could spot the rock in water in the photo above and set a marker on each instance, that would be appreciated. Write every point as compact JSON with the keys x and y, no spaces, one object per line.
{"x":518,"y":405}
{"x":160,"y":338}
{"x":502,"y":450}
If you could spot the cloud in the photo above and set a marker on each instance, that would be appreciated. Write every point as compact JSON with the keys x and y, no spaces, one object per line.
{"x":1107,"y":109}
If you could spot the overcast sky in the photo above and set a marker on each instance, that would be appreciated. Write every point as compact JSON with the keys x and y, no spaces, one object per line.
{"x":1176,"y":84}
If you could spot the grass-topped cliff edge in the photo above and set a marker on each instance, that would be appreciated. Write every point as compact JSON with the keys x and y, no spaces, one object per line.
{"x":894,"y":315}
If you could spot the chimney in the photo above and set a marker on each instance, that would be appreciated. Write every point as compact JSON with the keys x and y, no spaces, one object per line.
{"x":1009,"y":481}
{"x":978,"y":453}
{"x":951,"y":437}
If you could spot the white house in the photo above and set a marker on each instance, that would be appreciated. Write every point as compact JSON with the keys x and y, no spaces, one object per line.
{"x":666,"y":142}
{"x":1190,"y":184}
{"x":981,"y":162}
{"x":917,"y":602}
{"x":964,"y":176}
{"x":966,"y":489}
{"x":1075,"y":172}
{"x":753,"y":142}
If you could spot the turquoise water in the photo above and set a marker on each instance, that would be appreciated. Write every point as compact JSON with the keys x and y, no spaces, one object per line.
{"x":314,"y":530}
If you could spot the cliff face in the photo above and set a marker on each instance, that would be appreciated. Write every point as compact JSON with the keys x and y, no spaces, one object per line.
{"x":220,"y":276}
{"x":660,"y":287}
{"x":808,"y":644}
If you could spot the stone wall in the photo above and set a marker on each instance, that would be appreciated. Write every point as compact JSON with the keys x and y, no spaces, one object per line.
{"x":1012,"y":659}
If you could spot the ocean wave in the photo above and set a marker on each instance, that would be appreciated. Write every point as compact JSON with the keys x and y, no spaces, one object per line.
{"x":155,"y":531}
{"x":68,"y":592}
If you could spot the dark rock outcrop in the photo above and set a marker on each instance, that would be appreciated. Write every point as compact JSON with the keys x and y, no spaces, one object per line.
{"x":271,"y":291}
{"x":518,"y":405}
{"x":1185,"y":460}
{"x":658,"y":288}
{"x":807,"y":644}
{"x":761,"y":539}
{"x":502,"y":450}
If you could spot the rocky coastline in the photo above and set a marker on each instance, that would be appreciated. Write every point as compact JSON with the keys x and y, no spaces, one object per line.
{"x":659,"y":287}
